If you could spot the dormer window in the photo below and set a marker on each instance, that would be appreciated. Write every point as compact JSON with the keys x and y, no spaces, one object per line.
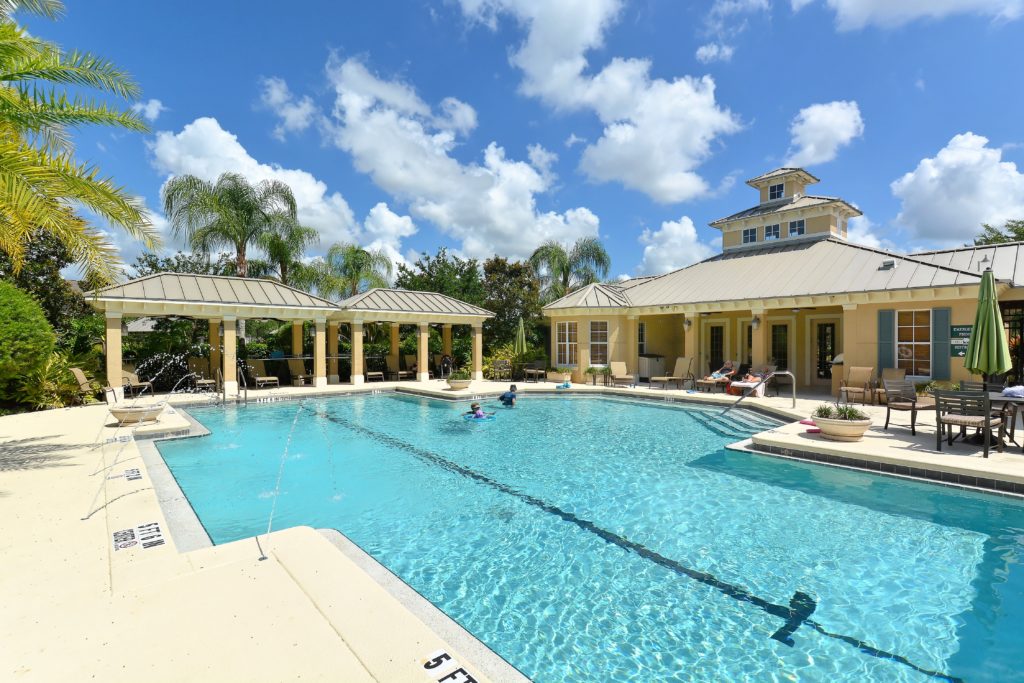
{"x":771,"y":232}
{"x":776,"y":191}
{"x":796,"y":228}
{"x":749,"y":235}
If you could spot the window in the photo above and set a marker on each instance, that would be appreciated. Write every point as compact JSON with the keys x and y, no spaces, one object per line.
{"x":771,"y":232}
{"x":565,"y":344}
{"x":796,"y":227}
{"x":780,"y":346}
{"x":914,"y":342}
{"x":598,"y":342}
{"x":775,"y":191}
{"x":641,"y":338}
{"x":749,"y":235}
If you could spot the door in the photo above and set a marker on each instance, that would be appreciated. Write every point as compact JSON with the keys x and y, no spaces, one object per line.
{"x":780,"y":346}
{"x":716,"y":347}
{"x":824,"y":351}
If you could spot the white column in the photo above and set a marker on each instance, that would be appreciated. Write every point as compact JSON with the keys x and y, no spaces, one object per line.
{"x":357,"y":352}
{"x":115,"y":370}
{"x":422,"y":352}
{"x":320,"y":354}
{"x":230,"y":364}
{"x":332,"y":351}
{"x":478,"y":351}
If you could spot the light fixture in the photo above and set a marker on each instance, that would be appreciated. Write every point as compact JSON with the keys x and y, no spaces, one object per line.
{"x":755,"y":322}
{"x":687,"y":324}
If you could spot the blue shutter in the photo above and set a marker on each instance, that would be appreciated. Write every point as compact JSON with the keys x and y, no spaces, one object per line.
{"x":940,"y":343}
{"x":886,"y":340}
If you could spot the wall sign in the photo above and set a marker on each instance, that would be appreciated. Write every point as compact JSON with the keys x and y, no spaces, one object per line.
{"x":959,"y":335}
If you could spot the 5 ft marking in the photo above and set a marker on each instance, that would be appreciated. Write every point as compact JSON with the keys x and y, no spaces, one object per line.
{"x":442,"y":668}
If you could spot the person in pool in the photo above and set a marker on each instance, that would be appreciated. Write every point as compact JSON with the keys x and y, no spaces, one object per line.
{"x":476,"y":411}
{"x":508,"y":399}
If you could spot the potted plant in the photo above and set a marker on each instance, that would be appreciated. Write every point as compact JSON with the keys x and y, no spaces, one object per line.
{"x":841,"y":422}
{"x":459,"y":379}
{"x":562,"y":374}
{"x":593,"y":371}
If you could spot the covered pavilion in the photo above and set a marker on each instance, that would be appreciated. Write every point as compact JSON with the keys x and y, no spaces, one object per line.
{"x":224,"y":301}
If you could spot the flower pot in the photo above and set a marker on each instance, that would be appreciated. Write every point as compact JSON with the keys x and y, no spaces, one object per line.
{"x":842,"y":430}
{"x":132,"y":414}
{"x":458,"y":384}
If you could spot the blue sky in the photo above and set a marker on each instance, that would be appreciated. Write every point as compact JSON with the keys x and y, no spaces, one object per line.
{"x":491,"y":125}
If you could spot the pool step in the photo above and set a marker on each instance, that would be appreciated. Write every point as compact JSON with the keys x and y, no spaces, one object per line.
{"x":736,"y":423}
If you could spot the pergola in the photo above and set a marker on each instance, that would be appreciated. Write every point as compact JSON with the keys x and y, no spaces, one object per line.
{"x":223,"y":301}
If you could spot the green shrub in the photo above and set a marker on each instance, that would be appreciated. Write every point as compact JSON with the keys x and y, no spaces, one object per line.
{"x":838,"y":412}
{"x":51,"y":385}
{"x":26,"y":339}
{"x":461,"y":373}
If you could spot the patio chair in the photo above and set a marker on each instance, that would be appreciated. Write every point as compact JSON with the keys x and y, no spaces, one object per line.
{"x":501,"y":370}
{"x":410,"y":363}
{"x":399,"y":374}
{"x":200,"y":369}
{"x":966,"y":409}
{"x":619,"y":374}
{"x":85,"y":388}
{"x":297,"y":369}
{"x":261,"y":376}
{"x":901,"y":395}
{"x":133,"y":385}
{"x":535,"y":370}
{"x":679,"y":375}
{"x":1008,"y":411}
{"x":891,"y":374}
{"x":858,"y":383}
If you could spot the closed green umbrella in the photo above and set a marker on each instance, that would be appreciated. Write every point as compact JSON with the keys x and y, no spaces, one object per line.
{"x":519,"y":348}
{"x":987,"y":350}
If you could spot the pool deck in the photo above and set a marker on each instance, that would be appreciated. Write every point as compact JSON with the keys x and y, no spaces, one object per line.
{"x":317,"y":608}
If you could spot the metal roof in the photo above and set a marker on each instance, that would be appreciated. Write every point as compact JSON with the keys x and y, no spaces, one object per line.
{"x":800,"y":269}
{"x":784,"y":171}
{"x":597,"y":295}
{"x":1005,"y":260}
{"x":408,"y":301}
{"x":786,"y":204}
{"x":211,"y":289}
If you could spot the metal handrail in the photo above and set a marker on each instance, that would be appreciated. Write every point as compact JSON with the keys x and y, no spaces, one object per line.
{"x":223,"y":389}
{"x":764,"y":380}
{"x":245,"y":385}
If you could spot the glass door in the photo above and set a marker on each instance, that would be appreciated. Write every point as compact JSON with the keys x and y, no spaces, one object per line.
{"x":825,"y":351}
{"x":716,"y":347}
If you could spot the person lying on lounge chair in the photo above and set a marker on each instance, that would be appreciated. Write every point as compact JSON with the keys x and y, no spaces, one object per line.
{"x":757,"y":376}
{"x":724,"y":372}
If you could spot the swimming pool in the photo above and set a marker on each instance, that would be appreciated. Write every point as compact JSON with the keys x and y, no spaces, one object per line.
{"x":591,"y":539}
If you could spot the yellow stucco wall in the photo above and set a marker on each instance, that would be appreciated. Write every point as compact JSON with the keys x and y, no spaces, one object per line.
{"x":733,"y":235}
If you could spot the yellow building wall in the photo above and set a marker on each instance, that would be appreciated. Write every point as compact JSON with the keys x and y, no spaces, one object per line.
{"x":619,"y":342}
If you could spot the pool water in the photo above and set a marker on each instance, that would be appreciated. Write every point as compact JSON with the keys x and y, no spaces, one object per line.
{"x":590,"y":539}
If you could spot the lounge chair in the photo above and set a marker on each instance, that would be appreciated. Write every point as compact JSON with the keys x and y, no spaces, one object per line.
{"x":410,"y":362}
{"x":901,"y":395}
{"x":966,"y":409}
{"x":619,"y":374}
{"x":200,"y":369}
{"x":133,"y":385}
{"x":710,"y":384}
{"x":858,"y":383}
{"x":297,"y":369}
{"x":756,"y":387}
{"x":85,"y":388}
{"x":261,"y":376}
{"x":374,"y":375}
{"x":535,"y":370}
{"x":891,"y":374}
{"x":399,"y":374}
{"x":679,"y":375}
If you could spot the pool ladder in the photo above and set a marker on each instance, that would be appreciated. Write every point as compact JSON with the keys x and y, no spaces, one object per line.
{"x":752,"y":389}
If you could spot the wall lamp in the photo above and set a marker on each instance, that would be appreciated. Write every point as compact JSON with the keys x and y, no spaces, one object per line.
{"x":755,"y":322}
{"x":687,"y":324}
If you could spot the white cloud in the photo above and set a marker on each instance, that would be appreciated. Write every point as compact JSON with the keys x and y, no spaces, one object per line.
{"x":856,"y":14}
{"x":458,"y":116}
{"x":295,"y":115}
{"x":819,"y":130}
{"x":656,"y":132}
{"x":714,"y":52}
{"x":573,"y":140}
{"x":383,"y":229}
{"x":204,"y":149}
{"x":395,"y":138}
{"x":150,"y":109}
{"x":542,"y":160}
{"x":862,"y":230}
{"x":947,"y":197}
{"x":919,"y":84}
{"x":673,"y":246}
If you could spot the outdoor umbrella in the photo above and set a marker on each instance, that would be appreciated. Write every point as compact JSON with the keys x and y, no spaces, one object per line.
{"x":987,"y":350}
{"x":520,"y":345}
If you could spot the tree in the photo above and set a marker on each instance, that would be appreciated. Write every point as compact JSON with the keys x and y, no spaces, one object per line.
{"x":349,"y":269}
{"x":1012,"y":231}
{"x":561,"y":271}
{"x":450,"y":275}
{"x":26,"y":339}
{"x":195,"y":264}
{"x":228,"y":213}
{"x":41,"y":184}
{"x":511,"y":292}
{"x":285,"y":246}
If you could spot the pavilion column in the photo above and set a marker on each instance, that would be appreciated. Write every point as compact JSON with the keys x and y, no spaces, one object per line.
{"x":332,"y":352}
{"x":690,"y":350}
{"x":422,"y":351}
{"x":760,"y":343}
{"x":215,"y":345}
{"x":849,"y":349}
{"x":446,"y":339}
{"x":357,"y":352}
{"x":478,"y":351}
{"x":630,"y":340}
{"x":297,"y":338}
{"x":394,"y":362}
{"x":115,"y":371}
{"x":320,"y":354}
{"x":230,"y":369}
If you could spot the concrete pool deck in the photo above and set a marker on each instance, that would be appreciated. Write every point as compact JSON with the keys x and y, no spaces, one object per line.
{"x":77,"y":608}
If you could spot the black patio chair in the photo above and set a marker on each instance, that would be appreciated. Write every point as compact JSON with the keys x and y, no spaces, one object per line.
{"x":966,"y":409}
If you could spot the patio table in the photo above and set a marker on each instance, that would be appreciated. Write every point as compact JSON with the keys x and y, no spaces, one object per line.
{"x":1013,"y":404}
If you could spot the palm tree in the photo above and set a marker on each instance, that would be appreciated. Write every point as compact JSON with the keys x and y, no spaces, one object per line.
{"x":229,"y":213}
{"x":284,"y":247}
{"x":561,"y":271}
{"x":349,"y":269}
{"x":41,"y":184}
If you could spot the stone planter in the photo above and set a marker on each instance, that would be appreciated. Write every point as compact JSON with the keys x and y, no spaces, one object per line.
{"x":841,"y":430}
{"x":130,"y":414}
{"x":458,"y":384}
